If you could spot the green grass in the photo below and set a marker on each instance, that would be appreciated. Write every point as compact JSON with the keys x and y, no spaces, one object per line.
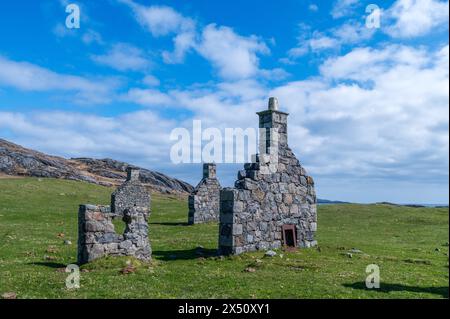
{"x":410,"y":245}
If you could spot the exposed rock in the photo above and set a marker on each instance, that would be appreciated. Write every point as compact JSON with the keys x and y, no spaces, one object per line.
{"x":270,"y":253}
{"x":16,"y":160}
{"x":9,"y":295}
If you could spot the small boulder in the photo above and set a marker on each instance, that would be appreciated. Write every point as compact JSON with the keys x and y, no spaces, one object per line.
{"x":270,"y":253}
{"x":9,"y":295}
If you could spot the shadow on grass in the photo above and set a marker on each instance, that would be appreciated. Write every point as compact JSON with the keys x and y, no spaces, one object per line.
{"x":443,"y":291}
{"x":186,"y":254}
{"x":170,"y":224}
{"x":48,"y":264}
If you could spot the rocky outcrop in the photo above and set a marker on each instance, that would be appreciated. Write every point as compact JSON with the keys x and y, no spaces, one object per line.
{"x":16,"y":160}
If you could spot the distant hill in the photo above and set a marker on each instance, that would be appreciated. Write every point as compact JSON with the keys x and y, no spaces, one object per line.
{"x":16,"y":160}
{"x":326,"y":201}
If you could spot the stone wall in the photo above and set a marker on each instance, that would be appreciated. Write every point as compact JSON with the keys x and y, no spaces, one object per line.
{"x":272,"y":193}
{"x":204,"y":201}
{"x":96,"y":235}
{"x":130,"y":194}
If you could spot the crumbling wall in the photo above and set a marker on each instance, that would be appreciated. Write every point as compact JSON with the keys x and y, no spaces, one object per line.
{"x":96,"y":235}
{"x":204,"y":202}
{"x":273,"y":192}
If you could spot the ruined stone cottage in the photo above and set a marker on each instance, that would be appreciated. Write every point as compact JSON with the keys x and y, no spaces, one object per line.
{"x":96,"y":235}
{"x":273,"y":203}
{"x":204,"y":200}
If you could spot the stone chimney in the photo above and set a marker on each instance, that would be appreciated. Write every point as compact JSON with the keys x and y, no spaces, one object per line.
{"x":132,"y":174}
{"x":209,"y":170}
{"x":273,"y":121}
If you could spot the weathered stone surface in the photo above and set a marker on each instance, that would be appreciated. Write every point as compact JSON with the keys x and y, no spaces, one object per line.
{"x":104,"y":241}
{"x":273,"y":192}
{"x":204,"y":201}
{"x":130,"y":194}
{"x":96,"y":235}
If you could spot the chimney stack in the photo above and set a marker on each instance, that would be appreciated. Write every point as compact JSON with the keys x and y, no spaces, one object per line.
{"x":209,"y":170}
{"x":132,"y":174}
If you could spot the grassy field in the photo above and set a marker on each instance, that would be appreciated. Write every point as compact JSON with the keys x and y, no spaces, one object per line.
{"x":410,"y":245}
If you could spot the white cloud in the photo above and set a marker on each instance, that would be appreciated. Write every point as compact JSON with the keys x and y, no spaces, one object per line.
{"x":343,"y":8}
{"x":183,"y":42}
{"x":396,"y":127}
{"x":411,"y":18}
{"x":29,"y":77}
{"x":349,"y":33}
{"x":123,"y":57}
{"x":92,"y":36}
{"x":321,"y":42}
{"x":150,"y":80}
{"x":313,"y":7}
{"x":234,"y":56}
{"x":61,"y":31}
{"x":393,"y":130}
{"x":160,"y":20}
{"x":140,"y":137}
{"x":148,"y":97}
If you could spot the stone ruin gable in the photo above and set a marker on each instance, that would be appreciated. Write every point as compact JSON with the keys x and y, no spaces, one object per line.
{"x":97,"y":238}
{"x":130,"y":194}
{"x":271,"y":195}
{"x":204,"y":202}
{"x":96,"y":235}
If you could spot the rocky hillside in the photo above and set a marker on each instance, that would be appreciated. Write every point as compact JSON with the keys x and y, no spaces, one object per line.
{"x":16,"y":160}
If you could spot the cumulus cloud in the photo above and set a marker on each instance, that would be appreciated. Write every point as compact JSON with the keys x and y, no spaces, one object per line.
{"x":92,"y":36}
{"x":372,"y":116}
{"x":123,"y":57}
{"x":148,"y":97}
{"x":150,"y":80}
{"x":160,"y":20}
{"x":139,"y":137}
{"x":343,"y":8}
{"x":313,"y":7}
{"x":317,"y":42}
{"x":163,"y":21}
{"x":30,"y":77}
{"x":234,"y":56}
{"x":411,"y":18}
{"x":375,"y":113}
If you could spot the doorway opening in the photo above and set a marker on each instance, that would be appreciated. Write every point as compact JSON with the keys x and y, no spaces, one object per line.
{"x":289,"y":233}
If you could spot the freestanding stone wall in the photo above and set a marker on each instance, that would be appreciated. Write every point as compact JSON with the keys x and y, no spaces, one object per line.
{"x":274,"y":201}
{"x":97,"y":238}
{"x":204,"y":202}
{"x":96,"y":235}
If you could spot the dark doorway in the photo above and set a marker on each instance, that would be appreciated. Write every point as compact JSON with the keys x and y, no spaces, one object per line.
{"x":289,"y":235}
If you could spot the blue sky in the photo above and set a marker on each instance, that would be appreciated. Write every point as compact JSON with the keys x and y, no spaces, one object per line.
{"x":368,"y":107}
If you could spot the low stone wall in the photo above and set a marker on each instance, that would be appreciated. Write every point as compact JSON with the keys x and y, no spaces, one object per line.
{"x":204,"y":202}
{"x":97,"y":237}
